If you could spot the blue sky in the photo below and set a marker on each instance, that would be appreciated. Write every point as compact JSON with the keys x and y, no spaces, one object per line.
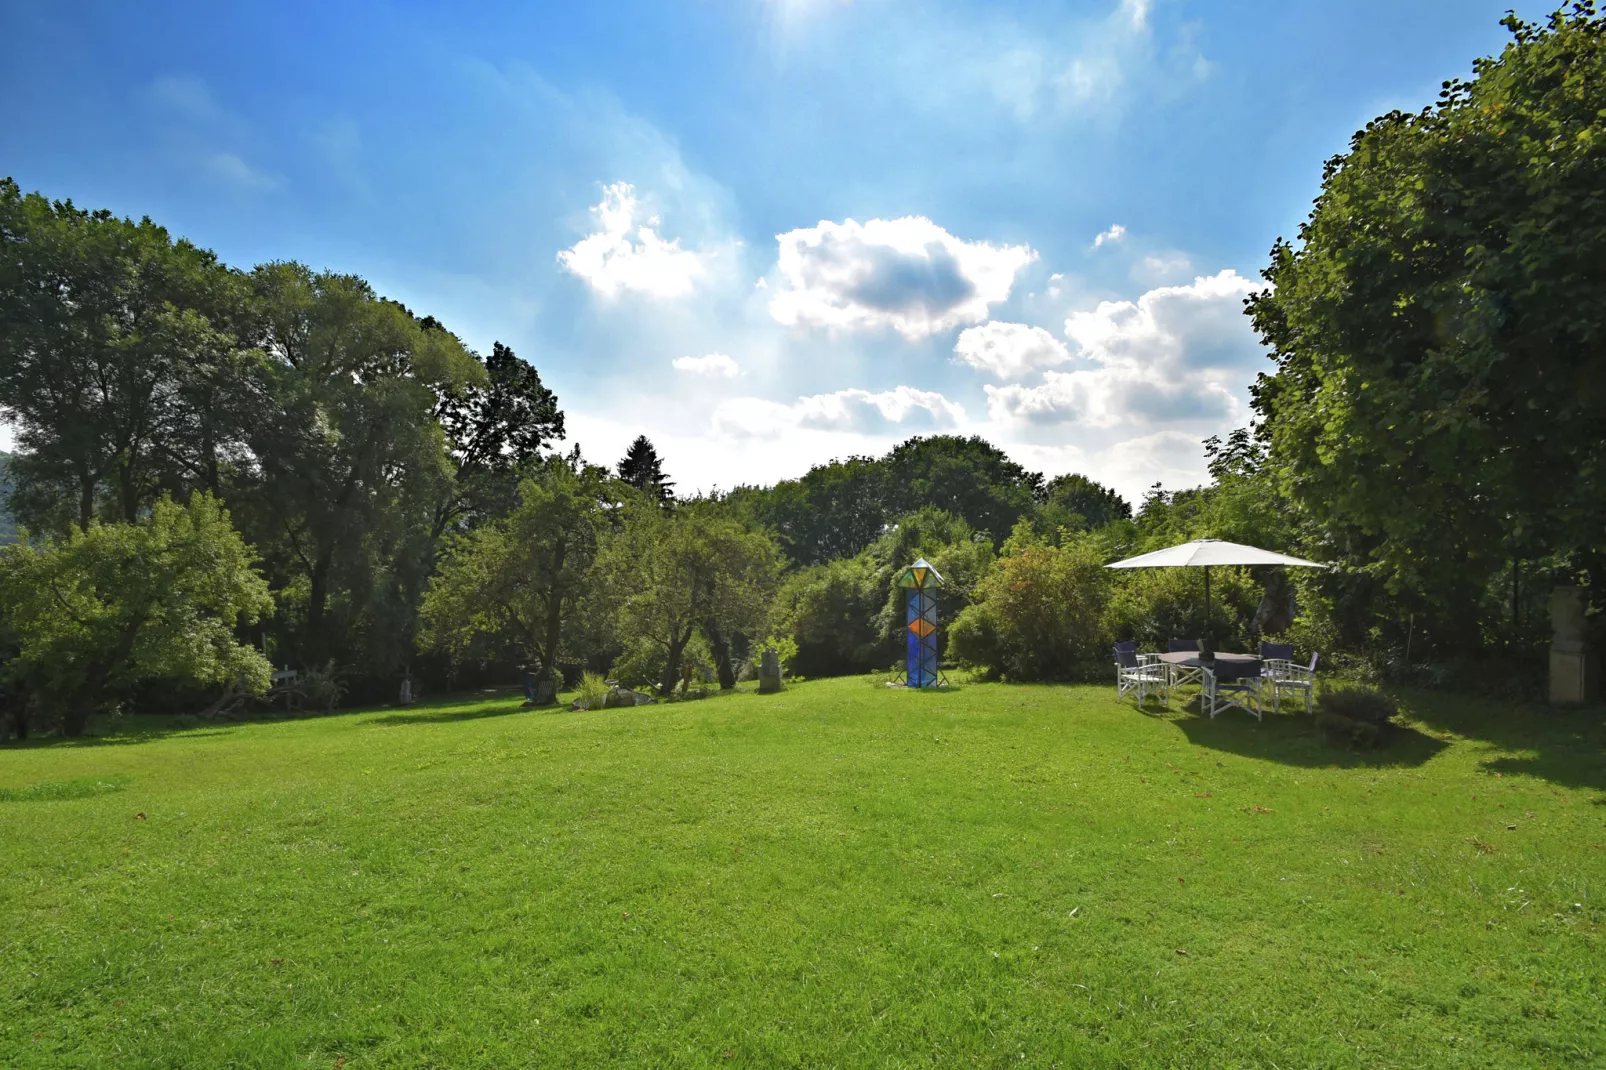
{"x":764,"y":232}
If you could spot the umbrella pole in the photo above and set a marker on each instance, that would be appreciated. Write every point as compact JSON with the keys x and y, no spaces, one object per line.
{"x":1207,"y":643}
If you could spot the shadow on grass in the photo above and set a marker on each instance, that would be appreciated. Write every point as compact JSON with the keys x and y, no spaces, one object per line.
{"x":126,"y":735}
{"x":1564,"y":746}
{"x":464,"y":712}
{"x":1293,"y":739}
{"x":466,"y":708}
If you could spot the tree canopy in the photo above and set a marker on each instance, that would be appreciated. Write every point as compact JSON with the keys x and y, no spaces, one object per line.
{"x":1439,"y":402}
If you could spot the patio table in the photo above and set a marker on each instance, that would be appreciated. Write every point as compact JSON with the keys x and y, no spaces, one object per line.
{"x":1225,"y":666}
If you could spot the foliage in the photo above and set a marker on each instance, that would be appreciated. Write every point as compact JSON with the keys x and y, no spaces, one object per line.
{"x":108,"y":607}
{"x":495,"y":429}
{"x":1153,"y":605}
{"x":1360,"y":715}
{"x":784,"y":647}
{"x":829,"y":611}
{"x":1077,"y":503}
{"x":593,"y":691}
{"x":321,"y":686}
{"x":1439,"y":404}
{"x":664,"y":575}
{"x":8,"y":524}
{"x":517,"y":580}
{"x":114,"y":340}
{"x":1038,"y":615}
{"x":641,"y":468}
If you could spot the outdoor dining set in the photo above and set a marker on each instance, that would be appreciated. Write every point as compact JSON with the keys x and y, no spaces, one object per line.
{"x":1225,"y":681}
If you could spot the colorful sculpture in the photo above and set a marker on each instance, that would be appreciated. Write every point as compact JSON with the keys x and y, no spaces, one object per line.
{"x":921,"y":581}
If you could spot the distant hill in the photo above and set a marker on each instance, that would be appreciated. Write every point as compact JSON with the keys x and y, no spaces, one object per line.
{"x":8,"y":527}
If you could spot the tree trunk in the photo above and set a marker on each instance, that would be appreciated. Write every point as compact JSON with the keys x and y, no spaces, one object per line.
{"x":86,"y":502}
{"x":554,"y":612}
{"x":317,"y":599}
{"x":672,"y":665}
{"x":722,"y":654}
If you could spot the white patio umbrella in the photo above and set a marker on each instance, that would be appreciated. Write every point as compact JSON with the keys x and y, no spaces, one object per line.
{"x":1206,"y":552}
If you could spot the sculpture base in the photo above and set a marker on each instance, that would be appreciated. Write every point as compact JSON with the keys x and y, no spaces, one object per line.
{"x":1574,"y":677}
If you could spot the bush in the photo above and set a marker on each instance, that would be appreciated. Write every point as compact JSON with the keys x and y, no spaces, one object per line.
{"x":1038,"y":614}
{"x":1360,"y":715}
{"x":593,"y":692}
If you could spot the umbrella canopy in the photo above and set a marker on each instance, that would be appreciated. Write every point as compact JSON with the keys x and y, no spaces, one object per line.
{"x":1207,"y":552}
{"x":1210,"y":552}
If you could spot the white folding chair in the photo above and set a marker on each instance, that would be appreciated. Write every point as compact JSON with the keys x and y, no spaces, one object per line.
{"x":1134,"y":676}
{"x":1286,"y":676}
{"x":1241,"y":690}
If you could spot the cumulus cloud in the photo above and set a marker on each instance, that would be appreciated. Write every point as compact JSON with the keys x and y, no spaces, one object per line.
{"x":1115,"y":233}
{"x":626,"y":253}
{"x":908,"y":274}
{"x":903,"y":408}
{"x":1009,"y":350}
{"x":1178,"y":354}
{"x":714,"y":365}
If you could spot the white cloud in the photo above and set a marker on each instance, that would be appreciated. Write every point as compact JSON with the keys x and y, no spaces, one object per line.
{"x":908,"y":274}
{"x":232,"y":169}
{"x":1160,"y":267}
{"x":713,"y":365}
{"x":1176,"y":355}
{"x":1009,"y":350}
{"x":903,"y":408}
{"x":1115,"y":233}
{"x":611,"y":262}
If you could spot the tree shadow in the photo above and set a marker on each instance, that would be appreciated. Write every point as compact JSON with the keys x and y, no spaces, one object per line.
{"x":122,"y":736}
{"x":465,"y":709}
{"x":1566,"y":746}
{"x":1293,"y":739}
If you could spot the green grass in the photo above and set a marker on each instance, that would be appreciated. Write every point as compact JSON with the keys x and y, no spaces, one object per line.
{"x":840,"y":875}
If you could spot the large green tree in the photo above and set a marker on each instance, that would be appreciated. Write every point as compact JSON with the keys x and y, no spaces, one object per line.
{"x":108,"y":607}
{"x":1439,"y":403}
{"x":668,"y":575}
{"x":349,"y":463}
{"x":517,"y":580}
{"x":496,"y":427}
{"x":116,"y":344}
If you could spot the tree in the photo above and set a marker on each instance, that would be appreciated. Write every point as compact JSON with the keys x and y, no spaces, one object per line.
{"x":117,"y":604}
{"x":112,"y":338}
{"x":833,"y":511}
{"x":1077,"y":502}
{"x":668,"y":574}
{"x":1038,"y":615}
{"x":495,"y":427}
{"x":517,"y":579}
{"x":349,"y":463}
{"x":969,"y":478}
{"x":1439,"y":403}
{"x":8,"y":524}
{"x":641,"y":468}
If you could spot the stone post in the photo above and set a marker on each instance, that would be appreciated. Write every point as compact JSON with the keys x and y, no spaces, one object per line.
{"x":769,"y":673}
{"x":1574,"y":675}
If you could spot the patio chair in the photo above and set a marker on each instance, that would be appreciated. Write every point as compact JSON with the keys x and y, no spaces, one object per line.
{"x":1277,"y":657}
{"x":1296,"y":678}
{"x":1241,"y":688}
{"x":1135,"y":677}
{"x":1182,"y":674}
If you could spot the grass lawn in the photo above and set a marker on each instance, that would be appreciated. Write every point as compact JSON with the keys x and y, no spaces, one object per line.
{"x":840,"y":875}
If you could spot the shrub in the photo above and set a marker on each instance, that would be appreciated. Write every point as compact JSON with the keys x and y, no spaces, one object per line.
{"x":1037,"y":615}
{"x":593,"y":692}
{"x":1360,"y":715}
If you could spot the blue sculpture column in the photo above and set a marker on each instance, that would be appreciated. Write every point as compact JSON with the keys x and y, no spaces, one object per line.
{"x":921,"y":581}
